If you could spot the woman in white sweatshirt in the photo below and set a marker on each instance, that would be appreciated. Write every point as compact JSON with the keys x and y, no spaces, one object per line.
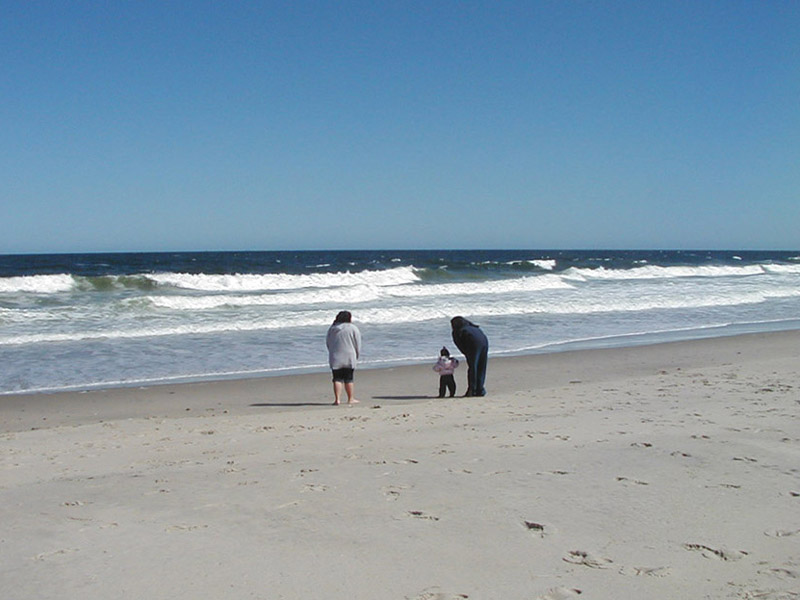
{"x":344,"y":347}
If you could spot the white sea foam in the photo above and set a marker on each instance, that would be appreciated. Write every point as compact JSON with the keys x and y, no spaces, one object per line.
{"x":498,"y":286}
{"x":37,"y":284}
{"x":358,"y":294}
{"x":782,"y":293}
{"x":657,"y":272}
{"x":441,"y":308}
{"x":539,"y":295}
{"x":782,"y":269}
{"x":9,"y":316}
{"x":280,"y":281}
{"x":347,"y":295}
{"x":284,"y":321}
{"x":648,"y":303}
{"x":547,"y":265}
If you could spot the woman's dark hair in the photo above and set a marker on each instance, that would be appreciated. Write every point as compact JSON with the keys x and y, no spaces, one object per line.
{"x":444,"y":352}
{"x":458,"y":323}
{"x":344,"y":316}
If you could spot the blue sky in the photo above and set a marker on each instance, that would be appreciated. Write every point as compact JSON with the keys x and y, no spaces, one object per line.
{"x":133,"y":126}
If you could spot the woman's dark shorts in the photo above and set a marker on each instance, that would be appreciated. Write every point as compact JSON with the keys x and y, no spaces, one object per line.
{"x":343,"y":375}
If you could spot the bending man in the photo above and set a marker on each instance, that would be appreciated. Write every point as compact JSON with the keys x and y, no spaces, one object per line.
{"x":472,"y":342}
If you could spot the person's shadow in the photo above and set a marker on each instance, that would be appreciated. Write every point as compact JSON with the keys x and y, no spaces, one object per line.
{"x":403,"y":397}
{"x":298,"y":404}
{"x":288,"y":404}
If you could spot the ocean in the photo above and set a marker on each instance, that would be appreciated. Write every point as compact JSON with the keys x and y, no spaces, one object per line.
{"x":83,"y":321}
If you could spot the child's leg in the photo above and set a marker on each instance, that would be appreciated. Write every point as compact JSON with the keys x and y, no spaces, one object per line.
{"x":451,"y":385}
{"x":442,"y":385}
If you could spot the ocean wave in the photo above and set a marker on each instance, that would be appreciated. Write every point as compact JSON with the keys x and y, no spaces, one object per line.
{"x":355,"y":295}
{"x":396,"y":277}
{"x":484,"y":287}
{"x":782,"y":269}
{"x":657,"y":272}
{"x":27,"y":317}
{"x":346,"y":296}
{"x":61,"y":283}
{"x":642,"y":304}
{"x":442,"y":309}
{"x":544,"y":264}
{"x":282,"y":281}
{"x":52,"y":284}
{"x":428,"y":309}
{"x":319,"y":319}
{"x":547,"y":265}
{"x":37,"y":284}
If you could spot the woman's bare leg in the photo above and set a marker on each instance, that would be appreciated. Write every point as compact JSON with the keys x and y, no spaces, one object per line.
{"x":350,"y":388}
{"x":337,"y":391}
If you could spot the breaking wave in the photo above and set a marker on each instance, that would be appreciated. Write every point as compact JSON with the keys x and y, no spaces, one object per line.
{"x":37,"y":284}
{"x":54,"y":284}
{"x":676,"y":272}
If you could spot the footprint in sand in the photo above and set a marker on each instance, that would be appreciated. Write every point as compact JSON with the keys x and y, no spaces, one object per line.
{"x":535,"y":528}
{"x":51,"y":554}
{"x":648,"y":571}
{"x":434,"y":594}
{"x":718,"y":553}
{"x":303,"y":472}
{"x":636,"y":481}
{"x":587,"y":559}
{"x":559,"y":593}
{"x":392,"y":492}
{"x":771,"y":594}
{"x":418,"y":514}
{"x":782,"y":573}
{"x":185,"y":527}
{"x":782,"y":532}
{"x":681,"y":454}
{"x":314,"y":487}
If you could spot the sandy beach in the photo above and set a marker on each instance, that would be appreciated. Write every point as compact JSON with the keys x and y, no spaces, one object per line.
{"x":661,"y":472}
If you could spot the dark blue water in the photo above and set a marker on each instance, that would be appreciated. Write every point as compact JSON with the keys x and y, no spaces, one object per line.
{"x":302,"y":262}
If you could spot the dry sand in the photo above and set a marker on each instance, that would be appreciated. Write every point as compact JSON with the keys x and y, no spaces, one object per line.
{"x":660,"y":472}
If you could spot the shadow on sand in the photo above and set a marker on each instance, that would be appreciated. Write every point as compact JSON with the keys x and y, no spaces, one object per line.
{"x":403,"y":397}
{"x":298,"y":404}
{"x":286,"y":404}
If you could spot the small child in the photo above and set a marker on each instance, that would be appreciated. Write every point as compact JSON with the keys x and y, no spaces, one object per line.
{"x":445,"y":367}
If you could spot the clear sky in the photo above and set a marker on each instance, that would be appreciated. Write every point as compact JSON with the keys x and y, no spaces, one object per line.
{"x":197,"y":125}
